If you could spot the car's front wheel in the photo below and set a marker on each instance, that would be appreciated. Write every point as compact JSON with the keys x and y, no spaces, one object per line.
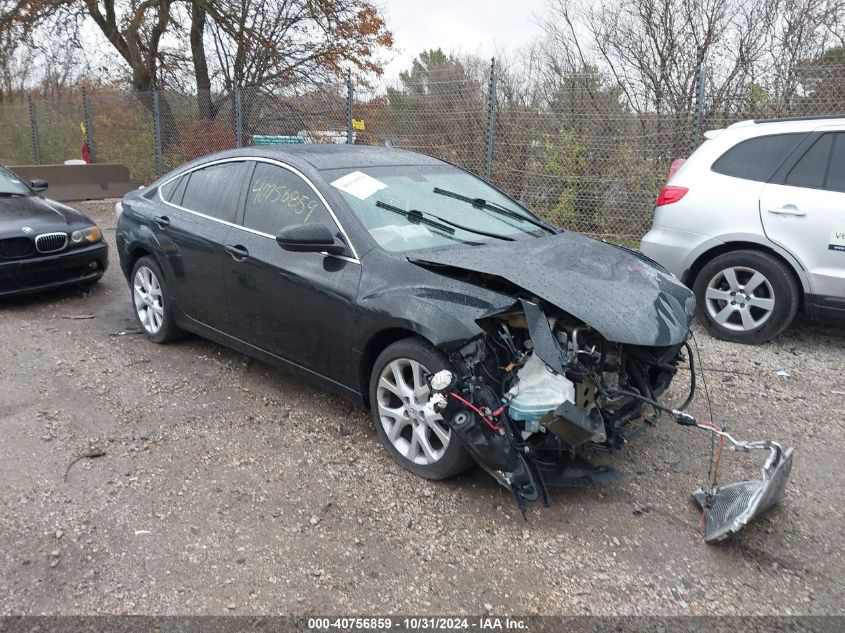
{"x":746,"y":296}
{"x":151,"y":302}
{"x":414,"y":435}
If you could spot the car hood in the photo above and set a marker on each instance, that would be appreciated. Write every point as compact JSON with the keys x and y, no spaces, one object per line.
{"x":623,"y":295}
{"x":38,"y":213}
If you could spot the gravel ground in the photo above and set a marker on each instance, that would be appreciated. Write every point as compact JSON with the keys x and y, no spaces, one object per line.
{"x":230,"y":486}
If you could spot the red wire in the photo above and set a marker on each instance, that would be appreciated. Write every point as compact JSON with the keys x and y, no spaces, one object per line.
{"x":476,"y":409}
{"x":702,"y":518}
{"x":718,"y":459}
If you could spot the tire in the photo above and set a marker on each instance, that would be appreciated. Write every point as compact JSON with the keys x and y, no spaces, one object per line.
{"x":441,"y":455}
{"x":746,"y":296}
{"x":151,"y":303}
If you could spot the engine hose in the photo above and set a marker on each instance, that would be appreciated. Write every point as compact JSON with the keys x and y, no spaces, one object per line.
{"x":679,"y":417}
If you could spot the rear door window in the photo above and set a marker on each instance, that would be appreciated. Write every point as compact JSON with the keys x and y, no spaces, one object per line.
{"x":836,"y":171}
{"x":215,"y":190}
{"x":757,"y":158}
{"x":810,"y":169}
{"x":277,"y":198}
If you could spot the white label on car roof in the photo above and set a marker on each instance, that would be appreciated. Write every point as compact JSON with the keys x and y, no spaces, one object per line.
{"x":837,"y":237}
{"x":359,"y":184}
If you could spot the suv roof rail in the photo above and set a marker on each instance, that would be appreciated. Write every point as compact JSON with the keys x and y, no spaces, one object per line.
{"x":814,"y":117}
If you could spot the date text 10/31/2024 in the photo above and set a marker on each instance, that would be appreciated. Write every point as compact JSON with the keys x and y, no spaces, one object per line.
{"x":430,"y":623}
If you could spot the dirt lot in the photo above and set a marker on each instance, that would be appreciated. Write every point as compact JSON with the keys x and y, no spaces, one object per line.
{"x":229,"y":486}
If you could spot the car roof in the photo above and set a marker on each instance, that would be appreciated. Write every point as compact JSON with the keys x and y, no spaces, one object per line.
{"x":322,"y":156}
{"x":760,"y":127}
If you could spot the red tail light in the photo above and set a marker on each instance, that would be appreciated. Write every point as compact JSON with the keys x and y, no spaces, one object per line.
{"x":669,"y":195}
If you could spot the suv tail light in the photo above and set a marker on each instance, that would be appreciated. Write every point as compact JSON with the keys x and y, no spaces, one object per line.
{"x":670,"y":194}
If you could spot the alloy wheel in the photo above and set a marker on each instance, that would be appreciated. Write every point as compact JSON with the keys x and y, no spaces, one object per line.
{"x":149,"y":302}
{"x":739,"y":298}
{"x":417,"y":432}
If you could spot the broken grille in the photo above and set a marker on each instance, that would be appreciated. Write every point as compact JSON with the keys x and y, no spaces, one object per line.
{"x":50,"y":242}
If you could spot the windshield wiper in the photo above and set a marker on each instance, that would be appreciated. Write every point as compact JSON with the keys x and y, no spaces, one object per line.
{"x":439,"y":223}
{"x":481,"y":203}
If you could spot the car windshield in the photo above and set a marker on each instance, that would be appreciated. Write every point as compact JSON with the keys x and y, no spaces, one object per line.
{"x":410,"y":207}
{"x":11,"y":185}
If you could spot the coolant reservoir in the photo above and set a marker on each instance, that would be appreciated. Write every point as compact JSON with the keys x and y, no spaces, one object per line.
{"x":538,"y":391}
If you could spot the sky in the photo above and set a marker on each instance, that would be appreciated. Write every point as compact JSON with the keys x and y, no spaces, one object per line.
{"x":479,"y":27}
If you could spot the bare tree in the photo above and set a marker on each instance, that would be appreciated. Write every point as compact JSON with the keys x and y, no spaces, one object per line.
{"x":652,"y":48}
{"x":274,"y":43}
{"x":17,"y":59}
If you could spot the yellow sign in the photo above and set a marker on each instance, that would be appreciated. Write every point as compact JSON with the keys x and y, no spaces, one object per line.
{"x":358,"y":124}
{"x":82,"y":127}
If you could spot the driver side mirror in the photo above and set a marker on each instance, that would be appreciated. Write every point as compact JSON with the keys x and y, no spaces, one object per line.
{"x":310,"y":238}
{"x":38,"y":185}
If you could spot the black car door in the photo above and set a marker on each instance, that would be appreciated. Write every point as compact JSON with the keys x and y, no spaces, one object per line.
{"x":298,"y":306}
{"x":192,"y":227}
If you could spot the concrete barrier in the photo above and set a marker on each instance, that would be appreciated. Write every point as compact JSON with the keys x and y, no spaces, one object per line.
{"x":79,"y":182}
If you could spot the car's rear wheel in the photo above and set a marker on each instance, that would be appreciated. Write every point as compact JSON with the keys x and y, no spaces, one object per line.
{"x":414,"y":435}
{"x":746,"y":296}
{"x":150,"y":299}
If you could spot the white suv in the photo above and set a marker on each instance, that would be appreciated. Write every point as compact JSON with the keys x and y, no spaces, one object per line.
{"x":754,"y":223}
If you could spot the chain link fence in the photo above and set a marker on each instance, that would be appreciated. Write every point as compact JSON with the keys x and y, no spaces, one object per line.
{"x":580,"y":158}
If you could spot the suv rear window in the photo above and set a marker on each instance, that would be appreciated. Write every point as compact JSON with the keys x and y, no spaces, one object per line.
{"x":757,"y":158}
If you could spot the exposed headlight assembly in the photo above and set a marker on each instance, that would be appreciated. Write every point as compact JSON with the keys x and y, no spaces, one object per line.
{"x":88,"y":235}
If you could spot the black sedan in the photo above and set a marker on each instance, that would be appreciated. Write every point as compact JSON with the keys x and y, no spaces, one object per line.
{"x":471,"y":328}
{"x":43,"y":243}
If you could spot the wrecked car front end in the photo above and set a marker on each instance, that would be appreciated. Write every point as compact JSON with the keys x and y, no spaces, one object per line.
{"x":537,"y":390}
{"x":580,"y":359}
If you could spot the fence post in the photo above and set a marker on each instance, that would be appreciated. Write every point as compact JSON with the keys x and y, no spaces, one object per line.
{"x":698,"y":112}
{"x":491,"y":118}
{"x":89,"y":130}
{"x":350,"y":95}
{"x":36,"y":137}
{"x":239,"y":122}
{"x":157,"y":132}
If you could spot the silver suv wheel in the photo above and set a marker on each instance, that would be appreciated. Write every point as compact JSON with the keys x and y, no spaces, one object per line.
{"x":416,"y":432}
{"x":149,"y":302}
{"x":739,"y":298}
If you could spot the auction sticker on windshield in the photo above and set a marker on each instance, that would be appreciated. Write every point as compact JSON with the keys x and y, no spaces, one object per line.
{"x":359,"y":184}
{"x":837,"y":237}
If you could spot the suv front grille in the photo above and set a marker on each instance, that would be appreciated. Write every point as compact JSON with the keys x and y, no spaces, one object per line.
{"x":50,"y":242}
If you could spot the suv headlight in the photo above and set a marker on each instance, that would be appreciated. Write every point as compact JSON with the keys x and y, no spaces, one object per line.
{"x":90,"y":234}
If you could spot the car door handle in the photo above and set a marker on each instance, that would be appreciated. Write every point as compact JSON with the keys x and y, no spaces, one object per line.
{"x":237,"y":251}
{"x":787,"y":209}
{"x":162,"y":220}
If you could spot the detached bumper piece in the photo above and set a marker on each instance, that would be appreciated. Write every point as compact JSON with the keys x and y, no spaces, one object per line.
{"x":729,"y":508}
